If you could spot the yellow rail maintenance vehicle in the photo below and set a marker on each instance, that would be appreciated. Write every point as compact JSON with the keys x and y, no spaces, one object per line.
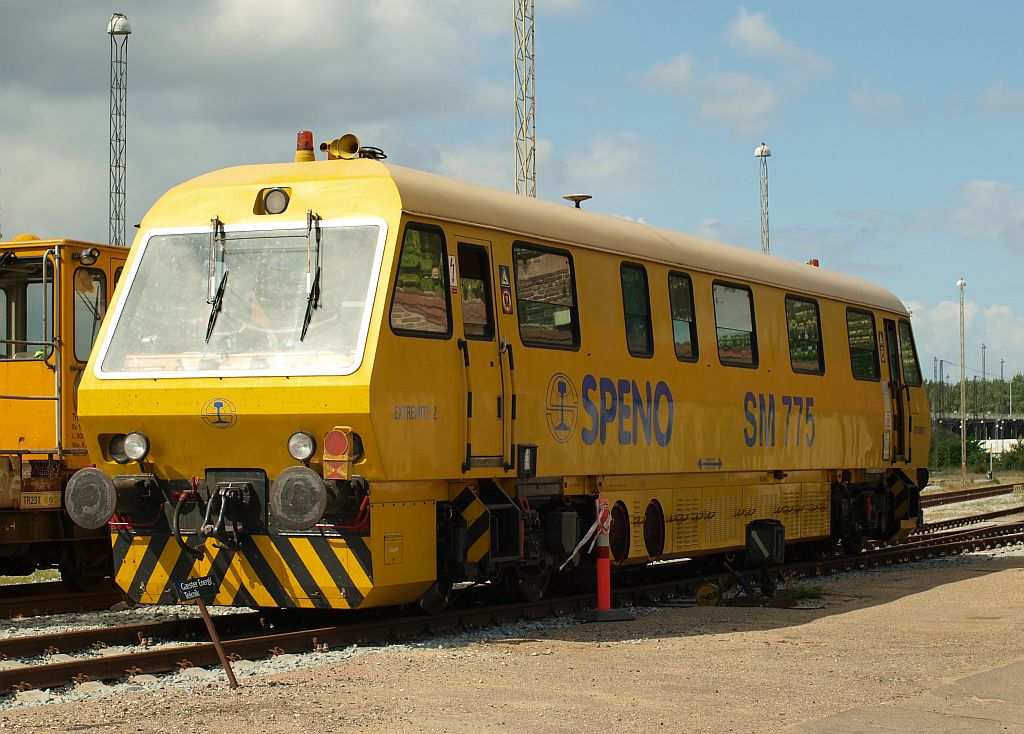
{"x":344,"y":383}
{"x":53,"y":294}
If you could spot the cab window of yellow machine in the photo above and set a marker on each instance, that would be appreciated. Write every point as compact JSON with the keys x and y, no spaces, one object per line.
{"x":804,"y":327}
{"x":475,"y":287}
{"x":636,"y":306}
{"x":734,"y":320}
{"x":90,"y":304}
{"x":911,"y":369}
{"x":863,"y":346}
{"x":546,"y":297}
{"x":420,"y":306}
{"x":27,"y":306}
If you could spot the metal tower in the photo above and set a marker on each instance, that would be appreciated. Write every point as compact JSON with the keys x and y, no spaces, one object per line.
{"x":526,"y":122}
{"x":119,"y":29}
{"x":764,"y":154}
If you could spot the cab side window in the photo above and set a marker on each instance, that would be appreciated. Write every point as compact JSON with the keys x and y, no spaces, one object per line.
{"x":803,"y":323}
{"x":908,"y":355}
{"x":90,"y":304}
{"x":684,"y":322}
{"x":5,"y":332}
{"x":420,"y":305}
{"x":636,"y":306}
{"x":860,"y":326}
{"x":546,"y":297}
{"x":734,"y":321}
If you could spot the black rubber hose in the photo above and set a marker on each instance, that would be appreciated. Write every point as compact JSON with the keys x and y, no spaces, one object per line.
{"x":196,"y":553}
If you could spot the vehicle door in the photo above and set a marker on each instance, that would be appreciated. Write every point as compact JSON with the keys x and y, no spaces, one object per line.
{"x":480,"y":343}
{"x":890,"y":353}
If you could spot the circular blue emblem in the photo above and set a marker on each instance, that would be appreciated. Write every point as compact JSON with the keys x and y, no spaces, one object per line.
{"x":562,"y":407}
{"x":219,"y":413}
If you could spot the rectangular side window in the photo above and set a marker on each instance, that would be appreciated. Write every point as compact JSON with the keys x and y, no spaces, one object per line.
{"x":420,"y":305}
{"x":863,"y":345}
{"x":90,"y":304}
{"x":636,"y":306}
{"x":5,"y":331}
{"x":908,"y":353}
{"x":684,"y":322}
{"x":803,"y":322}
{"x":734,"y":321}
{"x":475,"y":287}
{"x":546,"y":297}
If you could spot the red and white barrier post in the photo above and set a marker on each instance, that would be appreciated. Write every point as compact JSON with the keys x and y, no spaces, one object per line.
{"x":604,"y":611}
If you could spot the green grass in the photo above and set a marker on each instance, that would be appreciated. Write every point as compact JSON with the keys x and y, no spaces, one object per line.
{"x":802,"y":592}
{"x":50,"y":574}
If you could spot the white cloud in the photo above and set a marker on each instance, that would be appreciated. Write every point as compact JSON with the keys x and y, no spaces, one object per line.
{"x":1000,"y":98}
{"x":754,"y":35}
{"x":937,"y":334}
{"x":675,"y":76}
{"x":610,"y":161}
{"x":988,"y":209}
{"x":876,"y":104}
{"x":739,"y":100}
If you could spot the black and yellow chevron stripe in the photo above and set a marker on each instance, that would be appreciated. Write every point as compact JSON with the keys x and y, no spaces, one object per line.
{"x":478,"y":526}
{"x":268,"y":571}
{"x":902,"y":488}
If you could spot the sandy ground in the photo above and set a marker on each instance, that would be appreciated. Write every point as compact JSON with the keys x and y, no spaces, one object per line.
{"x":880,"y":637}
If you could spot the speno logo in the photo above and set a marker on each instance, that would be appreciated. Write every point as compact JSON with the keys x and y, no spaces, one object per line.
{"x":562,"y":407}
{"x":219,"y":413}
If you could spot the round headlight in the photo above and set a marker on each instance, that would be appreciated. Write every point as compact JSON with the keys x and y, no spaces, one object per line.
{"x":136,"y":446}
{"x":301,"y":446}
{"x":115,"y":447}
{"x":275,"y":201}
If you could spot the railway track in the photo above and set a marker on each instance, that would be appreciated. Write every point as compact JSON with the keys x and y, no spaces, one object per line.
{"x":46,"y":673}
{"x":968,"y":495}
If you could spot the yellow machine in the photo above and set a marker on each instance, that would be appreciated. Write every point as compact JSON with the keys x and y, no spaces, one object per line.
{"x":344,"y":383}
{"x":53,"y":294}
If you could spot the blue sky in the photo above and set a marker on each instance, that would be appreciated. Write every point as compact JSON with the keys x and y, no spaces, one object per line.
{"x":893,"y":126}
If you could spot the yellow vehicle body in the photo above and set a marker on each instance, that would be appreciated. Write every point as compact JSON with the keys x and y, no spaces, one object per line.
{"x":51,"y":304}
{"x":482,"y":450}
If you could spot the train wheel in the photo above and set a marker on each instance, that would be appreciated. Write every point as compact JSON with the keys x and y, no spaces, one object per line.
{"x":436,"y":598}
{"x":853,"y":542}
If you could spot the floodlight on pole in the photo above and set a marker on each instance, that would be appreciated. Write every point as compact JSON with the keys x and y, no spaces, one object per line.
{"x":118,"y":29}
{"x":963,"y":390}
{"x":763,"y":153}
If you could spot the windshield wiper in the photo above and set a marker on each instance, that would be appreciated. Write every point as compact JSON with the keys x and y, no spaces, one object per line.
{"x":8,"y":255}
{"x":215,"y":309}
{"x":312,"y":274}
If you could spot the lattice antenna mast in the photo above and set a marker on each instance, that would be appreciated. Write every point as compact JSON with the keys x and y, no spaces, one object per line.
{"x":119,"y":29}
{"x":763,"y":153}
{"x":526,"y":121}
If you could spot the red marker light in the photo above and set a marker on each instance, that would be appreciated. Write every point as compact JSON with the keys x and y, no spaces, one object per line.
{"x":305,"y":140}
{"x":335,"y":444}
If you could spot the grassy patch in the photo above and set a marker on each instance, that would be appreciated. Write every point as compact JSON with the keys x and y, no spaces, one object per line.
{"x":802,"y":592}
{"x":50,"y":574}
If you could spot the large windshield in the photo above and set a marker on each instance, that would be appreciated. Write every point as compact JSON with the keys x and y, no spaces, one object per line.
{"x":163,"y":321}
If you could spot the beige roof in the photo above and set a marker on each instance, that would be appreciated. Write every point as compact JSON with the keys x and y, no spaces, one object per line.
{"x":426,"y":194}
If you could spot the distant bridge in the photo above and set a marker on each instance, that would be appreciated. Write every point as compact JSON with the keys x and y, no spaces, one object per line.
{"x":983,"y":427}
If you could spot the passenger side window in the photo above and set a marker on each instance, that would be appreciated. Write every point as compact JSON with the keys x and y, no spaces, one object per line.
{"x":90,"y":304}
{"x":908,"y":353}
{"x":684,"y":323}
{"x":420,"y":305}
{"x":636,"y":306}
{"x":863,"y":345}
{"x":5,"y":332}
{"x":546,"y":297}
{"x":734,"y":320}
{"x":803,"y":322}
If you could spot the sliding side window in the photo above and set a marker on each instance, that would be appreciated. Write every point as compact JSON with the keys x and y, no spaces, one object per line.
{"x":734,"y":320}
{"x":420,"y":305}
{"x":684,"y":322}
{"x":860,"y":326}
{"x":546,"y":297}
{"x":636,"y":305}
{"x":803,"y":322}
{"x":908,"y":353}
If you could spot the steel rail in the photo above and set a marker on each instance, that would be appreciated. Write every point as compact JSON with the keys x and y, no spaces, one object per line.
{"x":966,"y":495}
